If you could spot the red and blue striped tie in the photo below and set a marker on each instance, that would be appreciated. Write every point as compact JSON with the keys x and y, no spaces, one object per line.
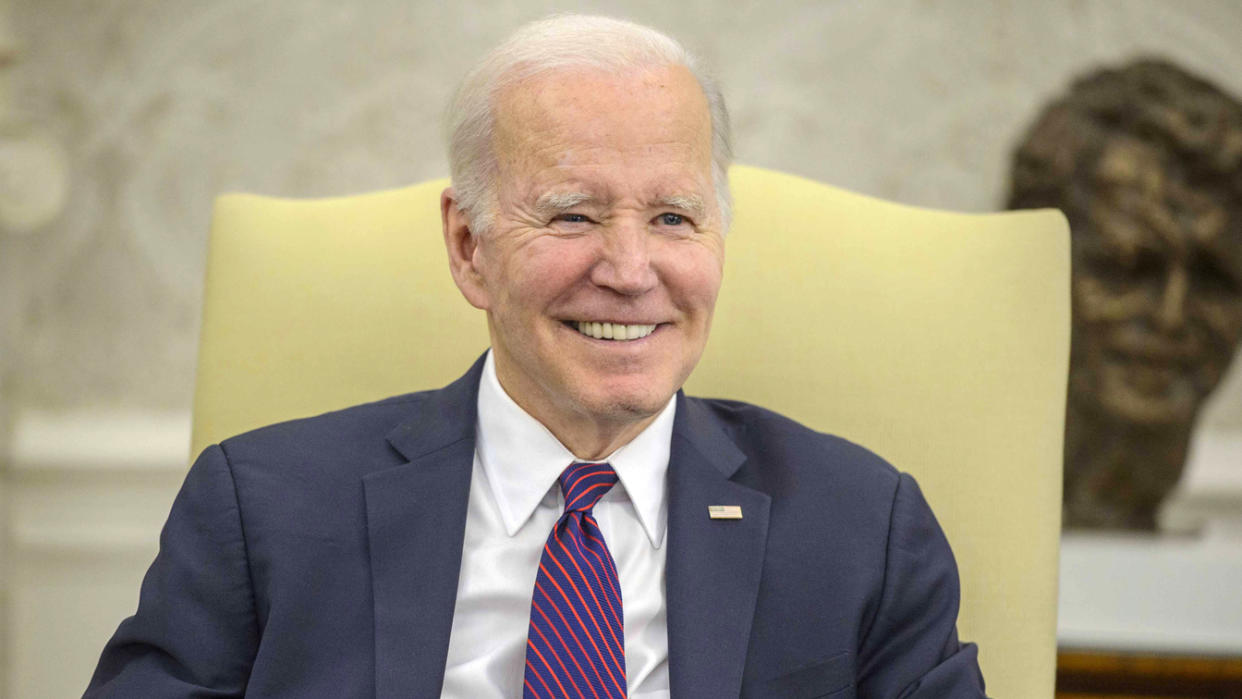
{"x":576,"y":643}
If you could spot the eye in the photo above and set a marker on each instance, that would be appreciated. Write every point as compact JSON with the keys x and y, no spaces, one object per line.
{"x":670,"y":219}
{"x":1210,"y":275}
{"x":572,"y":218}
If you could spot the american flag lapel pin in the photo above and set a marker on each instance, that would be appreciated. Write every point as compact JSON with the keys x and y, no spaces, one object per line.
{"x":724,"y":511}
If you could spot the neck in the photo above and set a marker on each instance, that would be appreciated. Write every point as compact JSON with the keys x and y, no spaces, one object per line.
{"x":589,"y":436}
{"x":590,"y":441}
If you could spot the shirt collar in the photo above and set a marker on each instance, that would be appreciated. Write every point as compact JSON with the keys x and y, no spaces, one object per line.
{"x":522,"y":460}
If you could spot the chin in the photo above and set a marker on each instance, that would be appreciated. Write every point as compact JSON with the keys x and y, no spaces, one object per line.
{"x":629,"y":408}
{"x":1175,"y":403}
{"x":626,"y":405}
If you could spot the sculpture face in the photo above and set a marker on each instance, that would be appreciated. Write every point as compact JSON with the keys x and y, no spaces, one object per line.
{"x":1157,"y":289}
{"x":1146,"y":162}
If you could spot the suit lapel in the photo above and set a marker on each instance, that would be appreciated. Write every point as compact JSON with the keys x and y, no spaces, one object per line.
{"x":416,"y":518}
{"x":713,"y":566}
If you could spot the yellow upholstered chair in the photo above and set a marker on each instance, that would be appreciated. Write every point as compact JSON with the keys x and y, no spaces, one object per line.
{"x":939,"y":340}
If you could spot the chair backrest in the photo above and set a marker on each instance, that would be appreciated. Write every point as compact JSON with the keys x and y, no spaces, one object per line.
{"x":939,"y":340}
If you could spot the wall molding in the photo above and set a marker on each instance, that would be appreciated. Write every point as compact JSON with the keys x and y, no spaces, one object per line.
{"x":108,"y":441}
{"x":92,"y":484}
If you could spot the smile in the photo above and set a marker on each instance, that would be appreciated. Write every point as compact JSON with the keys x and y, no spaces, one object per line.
{"x":611,"y":331}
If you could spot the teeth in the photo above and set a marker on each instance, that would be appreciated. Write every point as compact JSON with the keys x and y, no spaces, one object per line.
{"x":614,"y":331}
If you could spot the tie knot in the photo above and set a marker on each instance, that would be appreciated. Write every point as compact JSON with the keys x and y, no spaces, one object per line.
{"x":584,"y":484}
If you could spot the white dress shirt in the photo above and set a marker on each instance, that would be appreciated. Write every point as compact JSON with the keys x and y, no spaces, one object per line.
{"x":514,"y":502}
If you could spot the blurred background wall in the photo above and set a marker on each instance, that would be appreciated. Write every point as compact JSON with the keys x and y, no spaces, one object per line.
{"x":120,"y":121}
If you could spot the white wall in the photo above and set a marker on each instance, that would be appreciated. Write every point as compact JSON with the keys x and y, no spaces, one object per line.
{"x":158,"y":106}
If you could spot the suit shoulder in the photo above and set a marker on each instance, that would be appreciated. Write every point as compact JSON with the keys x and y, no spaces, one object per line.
{"x":782,"y":444}
{"x":351,"y":432}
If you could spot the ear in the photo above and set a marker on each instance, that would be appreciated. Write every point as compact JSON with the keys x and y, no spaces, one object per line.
{"x":463,"y":251}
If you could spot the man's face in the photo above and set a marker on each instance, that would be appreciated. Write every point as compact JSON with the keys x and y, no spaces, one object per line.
{"x":607,"y":222}
{"x":1157,"y":290}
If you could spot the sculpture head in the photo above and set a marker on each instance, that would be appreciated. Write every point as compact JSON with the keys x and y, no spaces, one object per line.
{"x":1146,"y":162}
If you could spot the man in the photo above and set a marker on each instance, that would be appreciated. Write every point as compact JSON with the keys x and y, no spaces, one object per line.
{"x":561,"y":521}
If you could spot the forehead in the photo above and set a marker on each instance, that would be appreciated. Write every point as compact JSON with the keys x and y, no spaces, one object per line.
{"x":583,"y":122}
{"x":1145,"y":201}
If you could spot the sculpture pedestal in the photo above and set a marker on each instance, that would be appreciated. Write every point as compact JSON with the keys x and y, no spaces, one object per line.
{"x":1144,"y":613}
{"x":1177,"y":591}
{"x":1166,"y":594}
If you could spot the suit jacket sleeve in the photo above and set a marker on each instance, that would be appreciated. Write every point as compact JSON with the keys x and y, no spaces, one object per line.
{"x":195,"y":632}
{"x":911,"y":649}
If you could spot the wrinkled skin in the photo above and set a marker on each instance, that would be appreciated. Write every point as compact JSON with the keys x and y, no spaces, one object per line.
{"x":606,"y":212}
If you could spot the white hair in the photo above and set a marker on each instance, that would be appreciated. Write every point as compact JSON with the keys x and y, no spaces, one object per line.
{"x":562,"y":42}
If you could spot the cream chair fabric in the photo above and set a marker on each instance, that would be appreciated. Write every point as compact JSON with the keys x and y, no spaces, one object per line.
{"x":939,"y":340}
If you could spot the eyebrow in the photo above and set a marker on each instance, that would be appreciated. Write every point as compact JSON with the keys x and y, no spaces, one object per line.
{"x":557,"y":202}
{"x":685,"y":202}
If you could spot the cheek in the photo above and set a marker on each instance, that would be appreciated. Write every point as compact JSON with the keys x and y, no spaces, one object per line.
{"x":1223,"y":318}
{"x":707,"y":287}
{"x":543,"y":272}
{"x":693,"y":277}
{"x":1097,"y":301}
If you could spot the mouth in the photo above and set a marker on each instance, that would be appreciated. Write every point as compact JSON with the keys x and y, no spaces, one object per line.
{"x":616,"y":332}
{"x":1152,"y":356}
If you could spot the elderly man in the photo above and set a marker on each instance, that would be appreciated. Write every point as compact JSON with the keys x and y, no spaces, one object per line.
{"x":561,"y":521}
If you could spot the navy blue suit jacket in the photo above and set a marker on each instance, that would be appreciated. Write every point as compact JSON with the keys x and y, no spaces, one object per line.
{"x":319,"y":558}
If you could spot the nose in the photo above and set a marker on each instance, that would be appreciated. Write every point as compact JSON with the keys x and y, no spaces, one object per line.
{"x":624,"y":264}
{"x":1171,"y":313}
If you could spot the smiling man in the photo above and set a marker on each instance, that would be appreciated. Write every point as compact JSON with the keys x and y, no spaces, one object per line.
{"x":561,"y":521}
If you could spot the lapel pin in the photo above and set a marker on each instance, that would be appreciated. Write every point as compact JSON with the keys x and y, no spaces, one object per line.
{"x":724,"y":511}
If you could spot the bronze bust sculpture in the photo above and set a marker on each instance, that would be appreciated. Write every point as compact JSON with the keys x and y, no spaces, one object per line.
{"x":1146,"y":162}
